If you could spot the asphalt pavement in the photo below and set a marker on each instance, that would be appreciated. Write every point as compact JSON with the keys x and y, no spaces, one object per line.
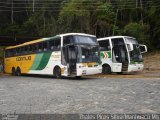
{"x":45,"y":95}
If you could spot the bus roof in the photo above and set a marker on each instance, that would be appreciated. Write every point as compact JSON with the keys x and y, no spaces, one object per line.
{"x":48,"y":38}
{"x":26,"y":43}
{"x":114,"y":37}
{"x":77,"y":34}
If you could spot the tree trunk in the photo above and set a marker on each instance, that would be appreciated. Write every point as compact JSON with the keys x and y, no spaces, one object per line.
{"x":115,"y":21}
{"x":12,"y":13}
{"x":141,"y":11}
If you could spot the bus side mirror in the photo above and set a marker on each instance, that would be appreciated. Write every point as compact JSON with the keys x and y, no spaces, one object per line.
{"x":143,"y":48}
{"x":130,"y":47}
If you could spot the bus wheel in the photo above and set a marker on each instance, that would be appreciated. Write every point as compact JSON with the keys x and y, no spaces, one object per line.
{"x":13,"y":71}
{"x":18,"y":72}
{"x":106,"y":69}
{"x":57,"y":72}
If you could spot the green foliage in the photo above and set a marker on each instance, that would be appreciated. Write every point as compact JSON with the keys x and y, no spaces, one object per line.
{"x":99,"y":17}
{"x":105,"y":17}
{"x":139,"y":31}
{"x":74,"y":17}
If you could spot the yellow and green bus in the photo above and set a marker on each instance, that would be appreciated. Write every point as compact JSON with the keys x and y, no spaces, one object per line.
{"x":70,"y":54}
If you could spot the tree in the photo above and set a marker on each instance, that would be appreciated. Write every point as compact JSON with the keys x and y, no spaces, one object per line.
{"x":74,"y":17}
{"x":139,"y":31}
{"x":43,"y":21}
{"x":94,"y":17}
{"x":105,"y":19}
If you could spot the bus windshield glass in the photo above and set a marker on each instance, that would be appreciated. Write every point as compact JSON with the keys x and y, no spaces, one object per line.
{"x":135,"y":54}
{"x":78,"y":39}
{"x":90,"y":54}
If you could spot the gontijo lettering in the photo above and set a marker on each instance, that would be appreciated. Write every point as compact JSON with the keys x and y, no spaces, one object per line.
{"x":25,"y":58}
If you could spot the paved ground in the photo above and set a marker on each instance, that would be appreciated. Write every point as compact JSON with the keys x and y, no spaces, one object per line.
{"x":41,"y":94}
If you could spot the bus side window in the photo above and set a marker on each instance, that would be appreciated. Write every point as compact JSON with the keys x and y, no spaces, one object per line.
{"x":25,"y":49}
{"x":17,"y":51}
{"x":45,"y":48}
{"x":12,"y":52}
{"x":30,"y":48}
{"x":66,"y":40}
{"x":6,"y":53}
{"x":34,"y":48}
{"x":39,"y":47}
{"x":51,"y":45}
{"x":22,"y":51}
{"x":57,"y":44}
{"x":104,"y":45}
{"x":117,"y":41}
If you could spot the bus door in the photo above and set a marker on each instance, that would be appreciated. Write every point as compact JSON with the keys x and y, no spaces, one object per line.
{"x":120,"y":55}
{"x":116,"y":58}
{"x":70,"y":58}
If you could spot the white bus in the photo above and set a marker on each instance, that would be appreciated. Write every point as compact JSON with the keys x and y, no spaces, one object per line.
{"x":71,"y":54}
{"x":121,"y":54}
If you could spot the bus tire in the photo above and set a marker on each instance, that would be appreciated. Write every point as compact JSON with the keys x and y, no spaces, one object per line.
{"x":13,"y":71}
{"x":57,"y":72}
{"x":18,"y":72}
{"x":106,"y":69}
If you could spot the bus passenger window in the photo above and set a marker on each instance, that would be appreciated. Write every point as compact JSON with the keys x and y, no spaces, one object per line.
{"x":34,"y":48}
{"x":57,"y":44}
{"x":39,"y":47}
{"x":104,"y":45}
{"x":6,"y":53}
{"x":25,"y":49}
{"x":21,"y":50}
{"x":17,"y":51}
{"x":10,"y":53}
{"x":45,"y":46}
{"x":30,"y":48}
{"x":51,"y":44}
{"x":67,"y":40}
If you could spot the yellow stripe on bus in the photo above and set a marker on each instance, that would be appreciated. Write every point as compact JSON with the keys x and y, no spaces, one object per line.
{"x":23,"y":62}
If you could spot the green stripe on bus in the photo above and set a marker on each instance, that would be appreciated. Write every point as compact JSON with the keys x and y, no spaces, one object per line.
{"x":105,"y":54}
{"x":44,"y":61}
{"x":37,"y":61}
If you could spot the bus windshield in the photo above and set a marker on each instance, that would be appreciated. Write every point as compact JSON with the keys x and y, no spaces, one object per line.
{"x":90,"y":54}
{"x":135,"y":55}
{"x":78,"y":39}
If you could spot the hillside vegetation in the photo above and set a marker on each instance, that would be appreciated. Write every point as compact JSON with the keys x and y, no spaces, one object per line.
{"x":137,"y":18}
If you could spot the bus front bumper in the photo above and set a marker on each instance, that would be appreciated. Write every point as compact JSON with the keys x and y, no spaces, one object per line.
{"x":89,"y":71}
{"x":135,"y":67}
